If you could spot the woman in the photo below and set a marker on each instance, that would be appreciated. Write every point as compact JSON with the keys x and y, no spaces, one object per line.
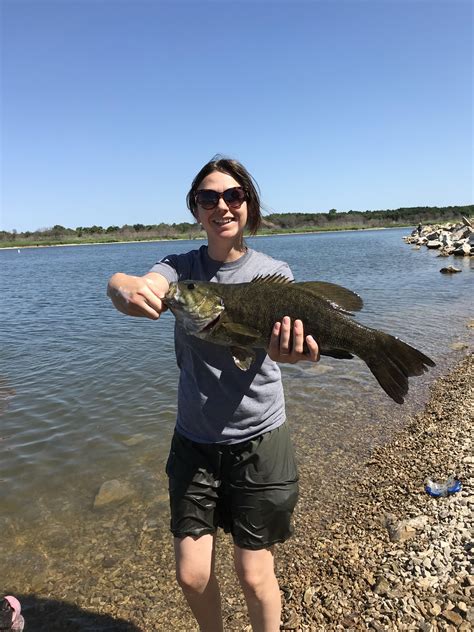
{"x":231,"y":462}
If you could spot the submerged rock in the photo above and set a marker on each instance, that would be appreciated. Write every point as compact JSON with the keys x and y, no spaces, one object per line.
{"x":113,"y":491}
{"x":450,"y":270}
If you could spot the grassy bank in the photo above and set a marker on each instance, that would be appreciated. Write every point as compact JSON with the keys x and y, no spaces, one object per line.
{"x":106,"y":239}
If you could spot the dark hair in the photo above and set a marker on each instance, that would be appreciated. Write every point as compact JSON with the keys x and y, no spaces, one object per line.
{"x":235,"y":169}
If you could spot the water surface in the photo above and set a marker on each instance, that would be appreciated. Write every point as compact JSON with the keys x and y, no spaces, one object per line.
{"x":88,"y":394}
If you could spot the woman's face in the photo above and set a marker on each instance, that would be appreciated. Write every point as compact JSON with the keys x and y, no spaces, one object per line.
{"x":222,"y":222}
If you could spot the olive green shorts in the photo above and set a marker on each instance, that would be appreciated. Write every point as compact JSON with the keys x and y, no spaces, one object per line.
{"x":249,"y":489}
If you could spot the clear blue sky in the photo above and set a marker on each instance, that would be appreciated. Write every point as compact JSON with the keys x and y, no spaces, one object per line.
{"x":111,"y":107}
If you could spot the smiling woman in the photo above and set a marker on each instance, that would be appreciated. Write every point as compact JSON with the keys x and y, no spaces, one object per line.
{"x":231,"y":444}
{"x":242,"y":191}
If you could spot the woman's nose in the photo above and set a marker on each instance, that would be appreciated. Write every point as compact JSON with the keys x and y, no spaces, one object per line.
{"x":221,"y":205}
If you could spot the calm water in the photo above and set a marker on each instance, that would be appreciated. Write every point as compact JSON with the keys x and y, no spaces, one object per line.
{"x":78,"y":380}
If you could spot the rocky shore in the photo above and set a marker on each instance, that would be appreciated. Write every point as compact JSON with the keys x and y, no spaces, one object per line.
{"x":449,"y":239}
{"x":396,"y":558}
{"x":374,"y":552}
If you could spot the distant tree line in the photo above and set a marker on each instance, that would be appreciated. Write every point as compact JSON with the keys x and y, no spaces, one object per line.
{"x":274,"y":222}
{"x":371,"y":219}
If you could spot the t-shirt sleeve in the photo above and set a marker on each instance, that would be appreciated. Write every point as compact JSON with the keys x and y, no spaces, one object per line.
{"x":174,"y":267}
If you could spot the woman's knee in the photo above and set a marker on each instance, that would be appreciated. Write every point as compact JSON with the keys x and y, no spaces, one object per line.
{"x":194,"y":562}
{"x":253,"y":575}
{"x":192,"y":578}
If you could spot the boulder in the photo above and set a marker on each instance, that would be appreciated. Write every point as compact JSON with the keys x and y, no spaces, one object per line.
{"x":434,"y":243}
{"x":463,"y":250}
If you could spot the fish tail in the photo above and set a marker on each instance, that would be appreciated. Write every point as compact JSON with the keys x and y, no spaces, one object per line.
{"x":393,"y":361}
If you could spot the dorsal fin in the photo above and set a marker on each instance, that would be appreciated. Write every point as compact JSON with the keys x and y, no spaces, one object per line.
{"x":271,"y":278}
{"x":337,"y":295}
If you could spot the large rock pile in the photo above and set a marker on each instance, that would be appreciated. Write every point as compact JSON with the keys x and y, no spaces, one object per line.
{"x":451,"y":239}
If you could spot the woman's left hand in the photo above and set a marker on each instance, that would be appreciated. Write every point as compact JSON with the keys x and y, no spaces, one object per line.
{"x":280,"y":350}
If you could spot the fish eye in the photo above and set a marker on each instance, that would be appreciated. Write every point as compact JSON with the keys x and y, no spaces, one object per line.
{"x":191,"y":286}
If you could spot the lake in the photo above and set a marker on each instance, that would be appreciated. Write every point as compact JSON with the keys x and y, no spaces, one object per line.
{"x":88,"y":394}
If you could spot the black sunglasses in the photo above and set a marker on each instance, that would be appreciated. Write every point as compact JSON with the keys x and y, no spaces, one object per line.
{"x":209,"y":199}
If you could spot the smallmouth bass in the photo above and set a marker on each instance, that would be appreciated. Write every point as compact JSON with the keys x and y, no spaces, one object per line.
{"x":241,"y":316}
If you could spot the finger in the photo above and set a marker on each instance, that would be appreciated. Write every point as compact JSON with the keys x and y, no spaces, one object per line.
{"x":285,"y":334}
{"x":313,"y":349}
{"x":298,"y":337}
{"x":274,"y":346}
{"x":153,"y":288}
{"x":143,"y":310}
{"x":152,"y":299}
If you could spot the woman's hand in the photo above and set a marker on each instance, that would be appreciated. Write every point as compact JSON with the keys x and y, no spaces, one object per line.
{"x":138,"y":296}
{"x":279,"y":349}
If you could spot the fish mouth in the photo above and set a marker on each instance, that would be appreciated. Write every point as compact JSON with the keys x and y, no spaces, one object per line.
{"x":172,"y":296}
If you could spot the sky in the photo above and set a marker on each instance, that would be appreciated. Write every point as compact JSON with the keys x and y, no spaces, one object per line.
{"x":111,"y":107}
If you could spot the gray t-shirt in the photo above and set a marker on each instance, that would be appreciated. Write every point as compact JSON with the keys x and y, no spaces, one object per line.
{"x":218,"y":402}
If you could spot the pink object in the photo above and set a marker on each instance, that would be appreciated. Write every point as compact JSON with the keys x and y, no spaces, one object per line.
{"x":18,"y":622}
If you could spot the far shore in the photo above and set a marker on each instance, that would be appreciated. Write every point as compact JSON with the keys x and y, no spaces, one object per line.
{"x":203,"y":238}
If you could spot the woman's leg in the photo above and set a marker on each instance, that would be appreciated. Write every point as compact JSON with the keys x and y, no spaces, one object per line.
{"x":195,"y":574}
{"x":256,"y":573}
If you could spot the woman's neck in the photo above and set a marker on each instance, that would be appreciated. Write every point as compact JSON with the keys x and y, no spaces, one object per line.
{"x":225,"y":252}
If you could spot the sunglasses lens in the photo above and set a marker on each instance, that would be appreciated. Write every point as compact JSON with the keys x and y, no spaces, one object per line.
{"x":207,"y":199}
{"x":234,"y":197}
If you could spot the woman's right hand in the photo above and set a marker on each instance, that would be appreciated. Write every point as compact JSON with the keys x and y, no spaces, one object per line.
{"x":138,"y":296}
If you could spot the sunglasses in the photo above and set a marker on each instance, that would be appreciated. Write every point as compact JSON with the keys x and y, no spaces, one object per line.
{"x":209,"y":199}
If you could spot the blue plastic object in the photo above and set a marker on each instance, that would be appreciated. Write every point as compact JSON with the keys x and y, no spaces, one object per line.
{"x":438,"y":489}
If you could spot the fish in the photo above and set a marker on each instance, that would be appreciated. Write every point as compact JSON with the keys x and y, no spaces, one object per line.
{"x":241,"y":316}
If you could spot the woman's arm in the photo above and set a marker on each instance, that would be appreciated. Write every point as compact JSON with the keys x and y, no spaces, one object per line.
{"x":138,"y":296}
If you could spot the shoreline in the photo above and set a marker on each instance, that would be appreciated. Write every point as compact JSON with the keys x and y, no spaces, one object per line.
{"x":341,"y":573}
{"x":203,"y":238}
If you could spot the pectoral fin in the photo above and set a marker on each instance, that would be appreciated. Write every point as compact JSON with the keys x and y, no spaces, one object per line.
{"x":243,"y":358}
{"x":241,"y":334}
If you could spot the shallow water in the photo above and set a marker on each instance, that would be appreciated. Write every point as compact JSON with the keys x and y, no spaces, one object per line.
{"x":88,"y":395}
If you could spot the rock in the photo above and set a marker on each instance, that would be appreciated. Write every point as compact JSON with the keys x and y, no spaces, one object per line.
{"x":463,"y":250}
{"x":459,"y":346}
{"x":308,"y":595}
{"x":381,"y":586}
{"x":402,"y":530}
{"x":113,"y":491}
{"x":452,"y":617}
{"x":456,"y":239}
{"x":291,"y":622}
{"x":134,"y":440}
{"x":450,"y":270}
{"x":435,"y":609}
